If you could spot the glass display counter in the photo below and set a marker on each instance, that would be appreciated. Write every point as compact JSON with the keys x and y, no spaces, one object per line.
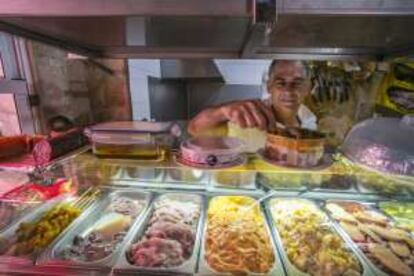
{"x":139,"y":217}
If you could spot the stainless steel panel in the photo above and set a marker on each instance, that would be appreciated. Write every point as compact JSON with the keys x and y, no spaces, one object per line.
{"x":204,"y":32}
{"x":320,"y":29}
{"x":160,"y":52}
{"x":352,"y":32}
{"x":304,"y":36}
{"x":136,"y":36}
{"x":345,"y":7}
{"x":125,"y":7}
{"x":303,"y":53}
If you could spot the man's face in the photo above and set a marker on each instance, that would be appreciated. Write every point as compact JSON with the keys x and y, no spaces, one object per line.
{"x":288,"y":85}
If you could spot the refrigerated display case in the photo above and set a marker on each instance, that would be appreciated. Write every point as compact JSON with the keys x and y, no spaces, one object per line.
{"x":139,"y":209}
{"x":105,"y":240}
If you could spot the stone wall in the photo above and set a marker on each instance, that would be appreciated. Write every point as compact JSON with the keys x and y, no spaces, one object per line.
{"x":79,"y":88}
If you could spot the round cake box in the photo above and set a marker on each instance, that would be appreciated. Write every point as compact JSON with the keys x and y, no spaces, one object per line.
{"x":294,"y":152}
{"x":212,"y":151}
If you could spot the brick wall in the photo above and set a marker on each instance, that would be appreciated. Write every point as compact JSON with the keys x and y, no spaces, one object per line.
{"x":77,"y":88}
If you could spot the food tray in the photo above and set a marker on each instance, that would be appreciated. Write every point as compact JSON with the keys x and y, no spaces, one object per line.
{"x":52,"y":258}
{"x":12,"y":211}
{"x":292,"y":269}
{"x":9,"y":232}
{"x":123,"y":266}
{"x":249,"y":177}
{"x":370,"y":206}
{"x":205,"y":269}
{"x":398,"y":218}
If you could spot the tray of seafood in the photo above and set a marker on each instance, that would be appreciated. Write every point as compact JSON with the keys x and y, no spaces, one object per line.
{"x":388,"y":248}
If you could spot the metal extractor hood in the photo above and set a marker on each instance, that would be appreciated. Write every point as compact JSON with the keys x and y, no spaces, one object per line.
{"x":334,"y":29}
{"x":171,"y":29}
{"x":133,"y":28}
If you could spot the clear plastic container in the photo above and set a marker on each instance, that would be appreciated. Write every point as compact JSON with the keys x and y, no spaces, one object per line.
{"x":383,"y":144}
{"x":138,"y":140}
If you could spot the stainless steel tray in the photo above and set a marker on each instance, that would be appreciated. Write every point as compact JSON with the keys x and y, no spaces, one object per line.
{"x":16,"y":215}
{"x":292,"y":269}
{"x":123,"y":266}
{"x":9,"y":232}
{"x":52,"y":259}
{"x":205,"y":269}
{"x":395,"y":219}
{"x":344,"y":234}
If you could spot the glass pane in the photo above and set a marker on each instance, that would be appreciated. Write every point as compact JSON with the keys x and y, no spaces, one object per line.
{"x":2,"y":76}
{"x":9,"y":120}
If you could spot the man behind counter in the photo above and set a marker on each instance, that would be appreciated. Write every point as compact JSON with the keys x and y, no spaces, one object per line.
{"x":288,"y":85}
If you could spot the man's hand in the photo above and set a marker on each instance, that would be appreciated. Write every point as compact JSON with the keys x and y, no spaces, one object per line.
{"x":246,"y":114}
{"x":250,"y":114}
